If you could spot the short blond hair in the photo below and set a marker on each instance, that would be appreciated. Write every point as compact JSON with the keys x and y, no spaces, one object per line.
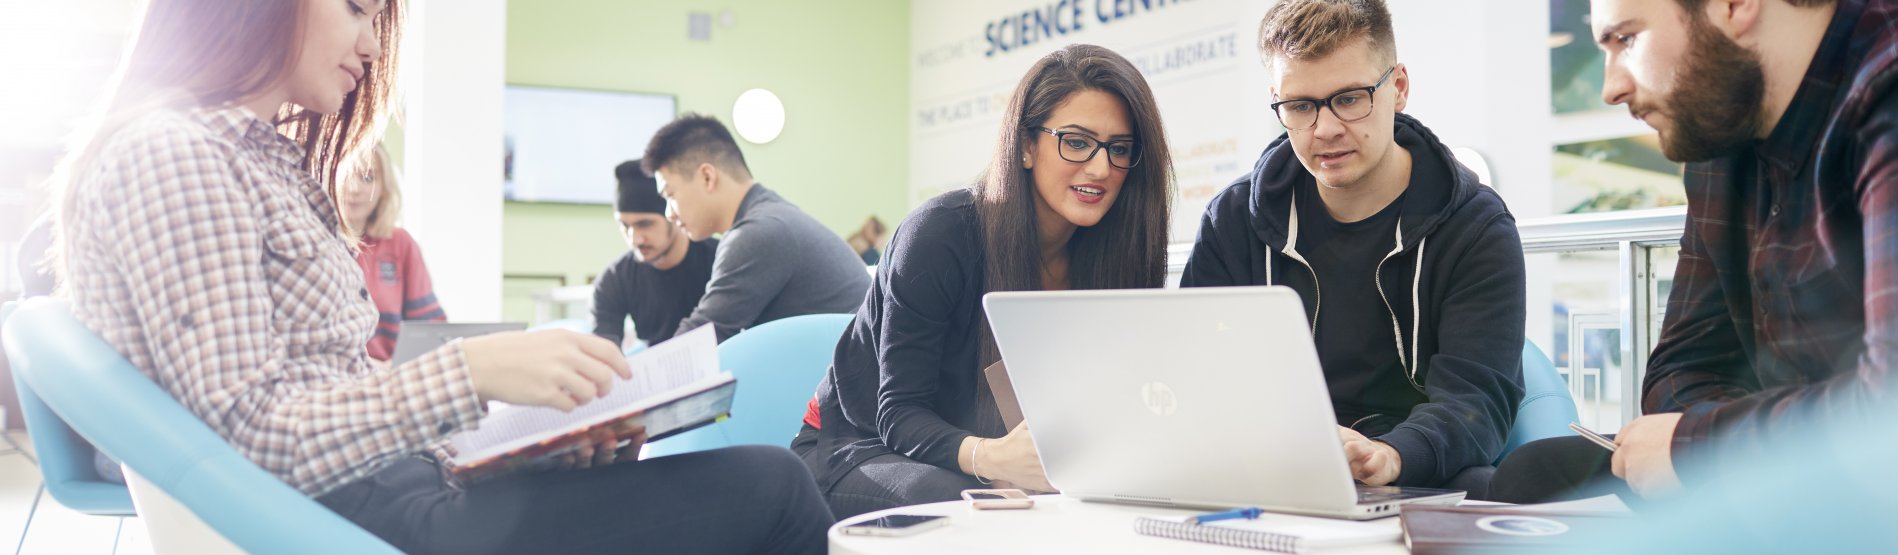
{"x":1312,"y":29}
{"x":388,"y":210}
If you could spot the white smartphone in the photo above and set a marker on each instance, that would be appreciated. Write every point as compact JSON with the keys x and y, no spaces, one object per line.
{"x":1599,"y":439}
{"x":998,"y":499}
{"x":894,"y":526}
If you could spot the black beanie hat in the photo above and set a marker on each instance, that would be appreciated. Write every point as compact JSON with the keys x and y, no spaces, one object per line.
{"x":638,"y":192}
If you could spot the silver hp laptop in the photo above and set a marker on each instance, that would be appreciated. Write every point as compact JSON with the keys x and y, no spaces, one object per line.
{"x":418,"y":338}
{"x":1193,"y":397}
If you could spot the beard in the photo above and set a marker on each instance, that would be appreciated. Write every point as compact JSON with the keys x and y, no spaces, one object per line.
{"x":671,"y":242}
{"x":1715,"y":105}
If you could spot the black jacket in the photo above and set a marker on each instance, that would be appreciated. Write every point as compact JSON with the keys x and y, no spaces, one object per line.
{"x":1453,"y":285}
{"x":907,"y":374}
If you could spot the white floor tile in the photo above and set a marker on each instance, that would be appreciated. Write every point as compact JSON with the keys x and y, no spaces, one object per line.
{"x":59,"y":530}
{"x":19,"y":479}
{"x":55,"y":529}
{"x":133,"y":540}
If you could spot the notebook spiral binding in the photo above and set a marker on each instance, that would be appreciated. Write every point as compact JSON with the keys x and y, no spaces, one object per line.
{"x":1230,"y":537}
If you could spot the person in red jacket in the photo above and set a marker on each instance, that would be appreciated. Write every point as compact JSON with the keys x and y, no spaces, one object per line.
{"x":392,"y":267}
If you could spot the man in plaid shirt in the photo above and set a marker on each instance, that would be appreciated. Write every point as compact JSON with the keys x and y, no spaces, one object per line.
{"x":1784,"y":310}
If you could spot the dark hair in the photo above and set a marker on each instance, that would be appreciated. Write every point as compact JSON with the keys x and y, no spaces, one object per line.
{"x":1127,"y":249}
{"x":694,"y":139}
{"x":1312,"y":29}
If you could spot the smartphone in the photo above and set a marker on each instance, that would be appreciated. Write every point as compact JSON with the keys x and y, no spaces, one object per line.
{"x":1599,"y":439}
{"x":896,"y":526}
{"x":998,"y":499}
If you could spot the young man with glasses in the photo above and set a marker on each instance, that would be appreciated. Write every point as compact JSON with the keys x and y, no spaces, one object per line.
{"x":1410,"y":269}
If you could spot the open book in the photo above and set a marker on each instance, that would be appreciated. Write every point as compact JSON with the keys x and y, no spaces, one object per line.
{"x":676,"y":386}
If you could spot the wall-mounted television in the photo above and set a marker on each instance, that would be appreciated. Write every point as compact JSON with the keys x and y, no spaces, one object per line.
{"x":562,"y":144}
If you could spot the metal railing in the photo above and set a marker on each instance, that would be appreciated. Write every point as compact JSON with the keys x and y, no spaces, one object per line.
{"x":1602,"y":231}
{"x":1634,"y":236}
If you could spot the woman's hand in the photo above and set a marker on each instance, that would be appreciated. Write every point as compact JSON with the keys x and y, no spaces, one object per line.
{"x":550,"y":368}
{"x":603,"y":449}
{"x":1011,"y":458}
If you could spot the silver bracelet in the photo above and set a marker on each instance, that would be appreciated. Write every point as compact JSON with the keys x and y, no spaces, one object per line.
{"x":974,"y":454}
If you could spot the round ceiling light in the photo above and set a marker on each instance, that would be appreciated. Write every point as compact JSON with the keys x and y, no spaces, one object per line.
{"x":758,"y":115}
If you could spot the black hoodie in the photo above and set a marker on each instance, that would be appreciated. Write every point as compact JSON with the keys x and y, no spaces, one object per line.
{"x":1453,"y":285}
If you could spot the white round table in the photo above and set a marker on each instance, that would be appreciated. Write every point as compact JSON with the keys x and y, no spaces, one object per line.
{"x":1057,"y":524}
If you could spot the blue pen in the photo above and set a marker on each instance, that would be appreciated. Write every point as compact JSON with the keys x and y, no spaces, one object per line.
{"x":1247,"y":513}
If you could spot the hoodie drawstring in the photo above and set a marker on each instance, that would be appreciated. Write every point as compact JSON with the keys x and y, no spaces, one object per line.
{"x":1291,"y":251}
{"x":1416,"y":309}
{"x":1268,"y":265}
{"x":1404,"y":358}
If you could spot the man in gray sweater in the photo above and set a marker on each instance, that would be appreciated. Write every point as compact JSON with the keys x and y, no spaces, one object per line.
{"x":773,"y":261}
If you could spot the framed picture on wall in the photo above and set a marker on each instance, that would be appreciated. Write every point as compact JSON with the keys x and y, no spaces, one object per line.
{"x":562,"y":144}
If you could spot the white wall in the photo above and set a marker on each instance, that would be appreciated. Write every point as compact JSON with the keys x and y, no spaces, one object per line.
{"x":1479,"y":73}
{"x":1198,"y":58}
{"x":452,"y":149}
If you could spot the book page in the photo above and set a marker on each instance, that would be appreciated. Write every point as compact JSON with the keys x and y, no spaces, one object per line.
{"x":673,"y":364}
{"x":680,"y":362}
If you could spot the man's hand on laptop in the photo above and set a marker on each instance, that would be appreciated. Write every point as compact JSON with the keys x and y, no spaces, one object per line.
{"x":1012,"y":458}
{"x":1373,"y":462}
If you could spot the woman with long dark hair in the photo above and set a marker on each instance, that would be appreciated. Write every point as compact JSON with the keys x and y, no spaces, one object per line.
{"x":199,"y":236}
{"x":1076,"y":197}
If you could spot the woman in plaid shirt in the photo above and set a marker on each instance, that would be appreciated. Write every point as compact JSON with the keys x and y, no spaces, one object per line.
{"x":199,"y":236}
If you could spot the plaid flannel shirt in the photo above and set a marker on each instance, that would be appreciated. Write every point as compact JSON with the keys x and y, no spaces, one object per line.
{"x":1784,"y":310}
{"x":202,"y":252}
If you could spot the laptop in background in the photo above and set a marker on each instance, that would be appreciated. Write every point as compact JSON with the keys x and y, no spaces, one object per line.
{"x":418,"y":338}
{"x":1209,"y":397}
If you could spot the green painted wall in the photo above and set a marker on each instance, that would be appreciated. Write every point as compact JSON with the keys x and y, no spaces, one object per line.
{"x":840,"y":67}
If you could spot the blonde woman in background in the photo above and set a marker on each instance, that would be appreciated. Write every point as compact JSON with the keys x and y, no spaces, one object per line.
{"x":369,"y":197}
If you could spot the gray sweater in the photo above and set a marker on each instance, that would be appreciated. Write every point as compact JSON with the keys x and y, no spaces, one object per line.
{"x":777,"y":262}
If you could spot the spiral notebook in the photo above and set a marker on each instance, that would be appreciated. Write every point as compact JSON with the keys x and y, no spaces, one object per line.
{"x":1272,"y":532}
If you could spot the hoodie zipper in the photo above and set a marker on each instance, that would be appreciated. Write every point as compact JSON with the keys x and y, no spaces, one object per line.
{"x":1318,"y":305}
{"x":1397,"y":330}
{"x":1291,"y":251}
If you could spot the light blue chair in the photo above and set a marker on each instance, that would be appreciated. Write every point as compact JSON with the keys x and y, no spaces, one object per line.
{"x":64,"y":459}
{"x":108,"y":402}
{"x":778,"y":365}
{"x":1546,"y":408}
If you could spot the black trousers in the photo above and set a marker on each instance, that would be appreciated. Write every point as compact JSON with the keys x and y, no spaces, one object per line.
{"x":749,"y":499}
{"x":1558,"y":469}
{"x":883,"y":482}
